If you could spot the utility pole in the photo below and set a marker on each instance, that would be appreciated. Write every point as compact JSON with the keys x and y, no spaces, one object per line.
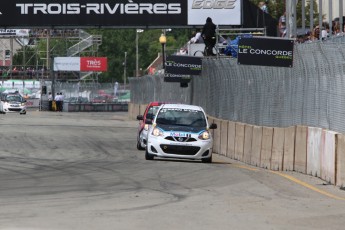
{"x":124,"y":70}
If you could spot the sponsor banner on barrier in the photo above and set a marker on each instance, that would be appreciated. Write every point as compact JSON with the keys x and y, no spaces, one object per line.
{"x":84,"y":64}
{"x":265,"y":52}
{"x":121,"y":13}
{"x":178,"y":68}
{"x":183,"y":65}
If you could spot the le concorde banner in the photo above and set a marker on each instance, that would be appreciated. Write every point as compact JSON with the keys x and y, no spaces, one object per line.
{"x":178,"y":67}
{"x":265,"y":52}
{"x":119,"y":13}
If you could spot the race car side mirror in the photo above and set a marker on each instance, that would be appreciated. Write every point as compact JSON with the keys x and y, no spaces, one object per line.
{"x":148,"y":121}
{"x":213,"y":126}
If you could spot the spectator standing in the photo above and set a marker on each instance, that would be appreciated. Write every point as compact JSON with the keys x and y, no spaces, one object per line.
{"x":197,"y":37}
{"x":209,"y":35}
{"x":57,"y":101}
{"x":50,"y":101}
{"x":282,"y":24}
{"x":263,"y":6}
{"x":62,"y":97}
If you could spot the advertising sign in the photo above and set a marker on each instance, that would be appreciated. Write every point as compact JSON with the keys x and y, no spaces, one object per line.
{"x":100,"y":13}
{"x":179,"y":67}
{"x":265,"y":52}
{"x":67,"y":64}
{"x":97,"y":64}
{"x":83,"y":64}
{"x":222,"y":12}
{"x":14,"y":32}
{"x":120,"y":13}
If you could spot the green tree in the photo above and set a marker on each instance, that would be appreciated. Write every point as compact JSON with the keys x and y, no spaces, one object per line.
{"x":307,"y":14}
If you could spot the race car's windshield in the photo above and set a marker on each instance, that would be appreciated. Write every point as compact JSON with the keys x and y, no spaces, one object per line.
{"x":181,"y":117}
{"x":16,"y":98}
{"x":152,"y":112}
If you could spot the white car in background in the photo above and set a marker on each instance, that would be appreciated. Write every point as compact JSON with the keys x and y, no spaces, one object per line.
{"x":180,"y":131}
{"x":12,"y":103}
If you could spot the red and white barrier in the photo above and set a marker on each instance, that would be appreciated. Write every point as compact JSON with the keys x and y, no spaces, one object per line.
{"x":289,"y":148}
{"x":301,"y":149}
{"x":231,"y":139}
{"x":256,"y":146}
{"x":328,"y":156}
{"x":340,"y":155}
{"x":223,"y":137}
{"x":266,"y":147}
{"x":239,"y":141}
{"x":314,"y":143}
{"x":277,"y":149}
{"x":247,"y":148}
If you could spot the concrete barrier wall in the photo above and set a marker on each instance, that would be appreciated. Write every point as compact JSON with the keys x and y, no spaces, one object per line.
{"x":216,"y":144}
{"x":289,"y":148}
{"x":266,"y":147}
{"x":328,"y":156}
{"x":256,"y":146}
{"x":247,"y":148}
{"x":301,"y":149}
{"x":278,"y":149}
{"x":212,"y":131}
{"x":142,"y":109}
{"x":239,"y":141}
{"x":130,"y":108}
{"x":223,"y":137}
{"x":231,"y":139}
{"x":136,"y":111}
{"x":314,"y":141}
{"x":340,"y":156}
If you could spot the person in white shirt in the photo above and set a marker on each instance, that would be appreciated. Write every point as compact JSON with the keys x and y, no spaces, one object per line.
{"x":57,"y":101}
{"x":197,"y":37}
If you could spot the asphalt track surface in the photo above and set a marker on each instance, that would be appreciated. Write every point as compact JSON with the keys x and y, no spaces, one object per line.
{"x":82,"y":171}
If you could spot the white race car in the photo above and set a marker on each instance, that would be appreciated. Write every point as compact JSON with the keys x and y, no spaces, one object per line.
{"x":180,"y":131}
{"x":12,"y":103}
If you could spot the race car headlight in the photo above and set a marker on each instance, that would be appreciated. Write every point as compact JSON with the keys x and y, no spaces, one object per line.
{"x":22,"y":104}
{"x":204,"y":135}
{"x":157,"y":132}
{"x":146,"y":127}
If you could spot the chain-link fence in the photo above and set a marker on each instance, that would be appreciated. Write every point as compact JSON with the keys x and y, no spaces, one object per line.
{"x":311,"y":93}
{"x":80,"y":92}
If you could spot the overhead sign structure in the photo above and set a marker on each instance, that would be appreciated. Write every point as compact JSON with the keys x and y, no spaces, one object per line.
{"x":178,"y":68}
{"x":82,"y":64}
{"x":265,"y":52}
{"x":120,"y":13}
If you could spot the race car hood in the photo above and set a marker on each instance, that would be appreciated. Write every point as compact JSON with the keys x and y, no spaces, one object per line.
{"x":179,"y":128}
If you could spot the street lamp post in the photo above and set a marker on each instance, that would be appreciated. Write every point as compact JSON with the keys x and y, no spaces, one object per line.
{"x":124,"y":70}
{"x":137,"y":51}
{"x":163,"y":41}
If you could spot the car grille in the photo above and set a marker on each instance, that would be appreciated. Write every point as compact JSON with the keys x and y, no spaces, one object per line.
{"x":180,"y":139}
{"x":14,"y":109}
{"x":180,"y":150}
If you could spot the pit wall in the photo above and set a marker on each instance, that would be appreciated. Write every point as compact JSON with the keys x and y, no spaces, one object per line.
{"x":308,"y":150}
